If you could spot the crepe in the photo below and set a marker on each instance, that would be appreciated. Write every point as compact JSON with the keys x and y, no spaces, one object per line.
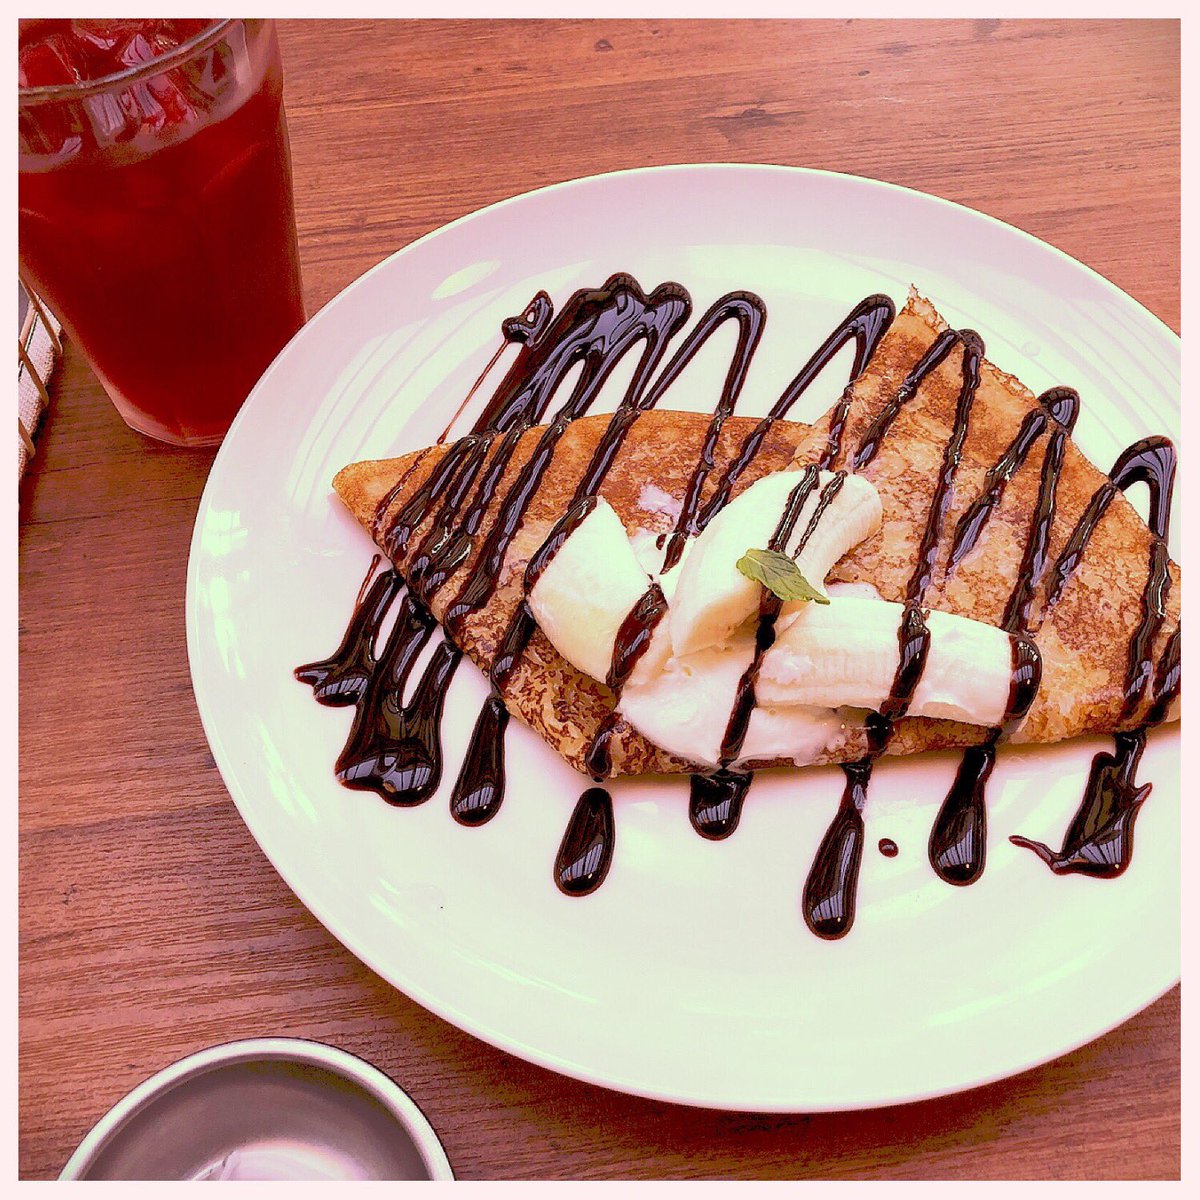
{"x":1084,"y":642}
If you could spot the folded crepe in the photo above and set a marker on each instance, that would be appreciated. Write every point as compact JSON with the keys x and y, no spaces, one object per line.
{"x":1084,"y":638}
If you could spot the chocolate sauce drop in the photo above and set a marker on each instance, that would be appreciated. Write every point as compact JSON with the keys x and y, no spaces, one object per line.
{"x":958,"y":840}
{"x":831,"y":889}
{"x":1099,"y":840}
{"x":715,"y":806}
{"x":586,"y":851}
{"x":479,"y":790}
{"x":1024,"y":682}
{"x":888,"y":848}
{"x":597,"y":759}
{"x":393,"y":748}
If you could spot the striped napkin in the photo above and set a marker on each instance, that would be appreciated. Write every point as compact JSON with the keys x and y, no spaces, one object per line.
{"x":39,"y":345}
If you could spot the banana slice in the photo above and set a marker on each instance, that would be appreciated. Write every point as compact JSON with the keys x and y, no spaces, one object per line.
{"x":685,"y":707}
{"x":713,"y":597}
{"x":846,"y":652}
{"x":588,"y":589}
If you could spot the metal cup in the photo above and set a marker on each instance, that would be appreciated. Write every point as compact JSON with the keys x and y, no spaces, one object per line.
{"x":270,"y":1108}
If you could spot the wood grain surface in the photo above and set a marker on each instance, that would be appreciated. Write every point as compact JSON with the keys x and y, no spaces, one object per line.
{"x":151,"y":925}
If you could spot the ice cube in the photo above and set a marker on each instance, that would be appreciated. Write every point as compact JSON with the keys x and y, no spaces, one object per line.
{"x":51,"y":61}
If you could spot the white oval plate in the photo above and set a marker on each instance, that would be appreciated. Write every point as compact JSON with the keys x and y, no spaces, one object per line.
{"x":689,"y":975}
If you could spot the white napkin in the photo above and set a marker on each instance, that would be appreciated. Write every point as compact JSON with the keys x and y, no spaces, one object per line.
{"x":40,"y":338}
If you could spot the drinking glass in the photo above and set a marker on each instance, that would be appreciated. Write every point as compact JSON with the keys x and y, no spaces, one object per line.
{"x":156,"y":216}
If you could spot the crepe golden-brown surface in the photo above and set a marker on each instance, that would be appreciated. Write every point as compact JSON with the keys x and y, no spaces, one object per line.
{"x":1084,"y":641}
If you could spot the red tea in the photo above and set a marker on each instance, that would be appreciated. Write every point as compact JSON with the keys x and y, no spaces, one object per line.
{"x":156,"y":214}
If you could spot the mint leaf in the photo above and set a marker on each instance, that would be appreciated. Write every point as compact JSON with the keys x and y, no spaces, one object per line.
{"x":779,"y":573}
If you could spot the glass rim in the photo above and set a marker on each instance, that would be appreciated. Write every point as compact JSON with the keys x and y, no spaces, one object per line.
{"x":46,"y":93}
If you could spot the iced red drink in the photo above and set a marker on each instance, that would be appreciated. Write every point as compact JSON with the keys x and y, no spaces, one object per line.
{"x":156,"y":214}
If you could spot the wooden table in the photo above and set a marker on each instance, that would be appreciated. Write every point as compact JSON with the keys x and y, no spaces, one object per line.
{"x":151,"y":924}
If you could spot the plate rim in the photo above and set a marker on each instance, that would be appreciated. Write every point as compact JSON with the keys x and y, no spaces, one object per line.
{"x":448,"y":1011}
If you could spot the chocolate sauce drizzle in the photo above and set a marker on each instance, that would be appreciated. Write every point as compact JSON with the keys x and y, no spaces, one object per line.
{"x":716,"y":800}
{"x":1099,"y":839}
{"x":342,"y":678}
{"x":958,"y":839}
{"x":394,"y":746}
{"x":630,"y":318}
{"x":769,"y":608}
{"x":829,"y":898}
{"x":633,"y":637}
